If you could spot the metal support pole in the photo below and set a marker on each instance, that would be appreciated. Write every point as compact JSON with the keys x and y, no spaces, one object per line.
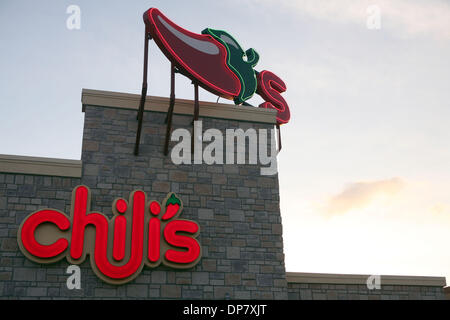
{"x":171,"y":107}
{"x":140,"y":114}
{"x":196,"y":104}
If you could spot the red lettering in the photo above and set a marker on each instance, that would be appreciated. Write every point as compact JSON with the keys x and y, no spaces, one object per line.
{"x":182,"y":241}
{"x":28,"y":228}
{"x":135,"y":262}
{"x":81,"y":220}
{"x":120,"y":231}
{"x":269,"y":88}
{"x":155,"y":208}
{"x":177,"y":233}
{"x":154,"y":236}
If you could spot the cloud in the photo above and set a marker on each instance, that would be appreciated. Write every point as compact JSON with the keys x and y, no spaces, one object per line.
{"x":402,"y":17}
{"x":359,"y":195}
{"x":440,"y":209}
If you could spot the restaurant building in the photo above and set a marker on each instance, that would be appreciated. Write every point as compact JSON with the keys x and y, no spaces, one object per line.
{"x":236,"y":208}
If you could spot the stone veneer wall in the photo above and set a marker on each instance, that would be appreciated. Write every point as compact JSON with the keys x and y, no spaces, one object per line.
{"x":329,"y":291}
{"x":237,"y":210}
{"x":236,"y":207}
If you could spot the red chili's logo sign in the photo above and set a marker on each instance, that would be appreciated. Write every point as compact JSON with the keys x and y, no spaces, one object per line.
{"x":219,"y":64}
{"x":141,"y":233}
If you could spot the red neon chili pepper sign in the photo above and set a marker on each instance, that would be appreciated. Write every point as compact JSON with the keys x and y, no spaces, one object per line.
{"x":152,"y":236}
{"x":217,"y":62}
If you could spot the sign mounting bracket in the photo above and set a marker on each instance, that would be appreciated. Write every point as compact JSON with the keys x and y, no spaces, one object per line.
{"x":140,"y":114}
{"x":169,"y":115}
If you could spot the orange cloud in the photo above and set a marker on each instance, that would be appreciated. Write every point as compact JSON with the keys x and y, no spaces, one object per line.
{"x":359,"y":195}
{"x":440,"y":208}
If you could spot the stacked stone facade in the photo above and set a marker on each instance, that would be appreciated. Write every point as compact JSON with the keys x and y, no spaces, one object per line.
{"x":237,"y":210}
{"x":236,"y":207}
{"x":322,"y":291}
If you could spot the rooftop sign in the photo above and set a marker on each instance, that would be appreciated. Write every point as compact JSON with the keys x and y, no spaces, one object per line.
{"x":217,"y":61}
{"x":214,"y":60}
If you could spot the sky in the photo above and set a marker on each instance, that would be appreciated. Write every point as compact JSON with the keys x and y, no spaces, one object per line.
{"x":365,"y":166}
